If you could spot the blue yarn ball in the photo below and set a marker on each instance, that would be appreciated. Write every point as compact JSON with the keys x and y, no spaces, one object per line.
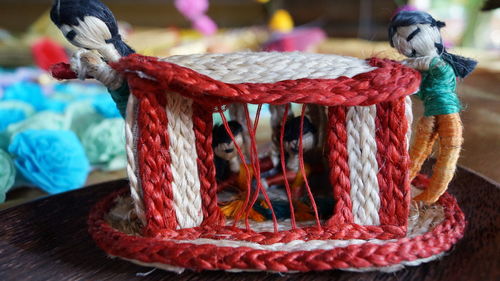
{"x":52,"y":160}
{"x":28,"y":92}
{"x":10,"y":116}
{"x":105,"y":106}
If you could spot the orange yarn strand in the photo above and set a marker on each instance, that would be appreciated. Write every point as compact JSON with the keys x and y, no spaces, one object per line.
{"x":425,"y":137}
{"x":449,"y":129}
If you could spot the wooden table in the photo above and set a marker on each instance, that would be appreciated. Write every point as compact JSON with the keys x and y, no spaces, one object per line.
{"x":47,"y":240}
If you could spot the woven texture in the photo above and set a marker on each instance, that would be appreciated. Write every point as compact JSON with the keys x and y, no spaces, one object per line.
{"x":174,"y":190}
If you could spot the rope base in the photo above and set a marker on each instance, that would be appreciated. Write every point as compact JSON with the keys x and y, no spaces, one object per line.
{"x":432,"y":230}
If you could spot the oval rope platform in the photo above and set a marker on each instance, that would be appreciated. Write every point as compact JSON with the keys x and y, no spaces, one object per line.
{"x":432,"y":230}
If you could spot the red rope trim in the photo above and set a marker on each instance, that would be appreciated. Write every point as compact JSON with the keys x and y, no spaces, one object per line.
{"x":202,"y":126}
{"x":209,"y":256}
{"x":391,"y":80}
{"x":336,"y":145}
{"x":393,"y":162}
{"x":154,"y":159}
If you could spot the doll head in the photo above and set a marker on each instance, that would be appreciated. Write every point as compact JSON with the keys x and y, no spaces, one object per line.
{"x":222,"y":143}
{"x":292,"y":134}
{"x":417,"y":34}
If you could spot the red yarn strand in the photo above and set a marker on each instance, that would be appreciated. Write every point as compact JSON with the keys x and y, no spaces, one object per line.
{"x":256,"y":165}
{"x":303,"y":169}
{"x":283,"y":166}
{"x":247,"y":170}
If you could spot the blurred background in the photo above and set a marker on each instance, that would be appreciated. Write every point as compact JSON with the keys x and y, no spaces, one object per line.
{"x":57,"y":136}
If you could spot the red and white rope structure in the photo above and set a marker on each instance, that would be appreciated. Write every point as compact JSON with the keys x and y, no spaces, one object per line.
{"x":172,"y":174}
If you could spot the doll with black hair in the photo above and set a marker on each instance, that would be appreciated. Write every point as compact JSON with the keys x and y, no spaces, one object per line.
{"x":417,"y":35}
{"x":291,"y":143}
{"x":226,"y":157}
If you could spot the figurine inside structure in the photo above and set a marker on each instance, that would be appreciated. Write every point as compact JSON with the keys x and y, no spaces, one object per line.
{"x":231,"y":175}
{"x":417,"y":35}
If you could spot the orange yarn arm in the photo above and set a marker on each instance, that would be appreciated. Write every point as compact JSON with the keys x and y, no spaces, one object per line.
{"x":449,"y":129}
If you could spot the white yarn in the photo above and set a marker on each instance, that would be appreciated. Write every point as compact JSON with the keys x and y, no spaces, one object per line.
{"x":132,"y":171}
{"x":423,"y":42}
{"x":270,"y":67}
{"x":91,"y":34}
{"x":88,"y":64}
{"x":363,"y":166}
{"x":184,"y":167}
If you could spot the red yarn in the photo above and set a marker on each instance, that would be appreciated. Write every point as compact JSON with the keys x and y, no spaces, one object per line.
{"x":338,"y":166}
{"x":62,"y":71}
{"x":47,"y":52}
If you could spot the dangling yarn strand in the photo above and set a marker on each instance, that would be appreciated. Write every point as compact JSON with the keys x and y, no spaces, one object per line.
{"x":245,"y":166}
{"x":256,"y":165}
{"x":303,"y":169}
{"x":283,"y":166}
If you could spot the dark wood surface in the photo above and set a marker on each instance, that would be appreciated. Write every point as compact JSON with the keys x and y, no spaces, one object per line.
{"x":47,"y":240}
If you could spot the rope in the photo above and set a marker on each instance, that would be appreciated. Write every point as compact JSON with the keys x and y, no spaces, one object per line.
{"x":182,"y":149}
{"x":363,"y":167}
{"x":131,"y":147}
{"x":387,"y":82}
{"x":185,"y":254}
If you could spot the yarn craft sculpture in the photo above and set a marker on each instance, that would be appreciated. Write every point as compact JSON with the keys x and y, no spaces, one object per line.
{"x":416,"y":35}
{"x":170,"y":216}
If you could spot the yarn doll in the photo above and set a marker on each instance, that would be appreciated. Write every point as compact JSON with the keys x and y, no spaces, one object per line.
{"x":417,"y":35}
{"x":229,"y":171}
{"x":226,"y":158}
{"x":292,"y":145}
{"x":90,"y":25}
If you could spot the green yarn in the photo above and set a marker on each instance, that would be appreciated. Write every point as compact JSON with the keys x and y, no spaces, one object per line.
{"x":13,"y":104}
{"x":45,"y":120}
{"x":7,"y":174}
{"x":438,"y":89}
{"x":80,"y":116}
{"x":120,"y":96}
{"x":104,"y":144}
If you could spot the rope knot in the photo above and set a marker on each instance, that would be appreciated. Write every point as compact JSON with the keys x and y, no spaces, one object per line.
{"x":89,"y":64}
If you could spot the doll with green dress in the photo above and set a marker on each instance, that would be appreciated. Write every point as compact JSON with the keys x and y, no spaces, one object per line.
{"x":416,"y":35}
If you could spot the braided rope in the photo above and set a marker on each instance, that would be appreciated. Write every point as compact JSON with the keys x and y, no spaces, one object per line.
{"x":362,"y":150}
{"x":186,"y":183}
{"x":338,"y":166}
{"x":200,"y":255}
{"x":153,"y":155}
{"x":392,"y":158}
{"x":389,"y":81}
{"x":131,"y":146}
{"x":202,"y":125}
